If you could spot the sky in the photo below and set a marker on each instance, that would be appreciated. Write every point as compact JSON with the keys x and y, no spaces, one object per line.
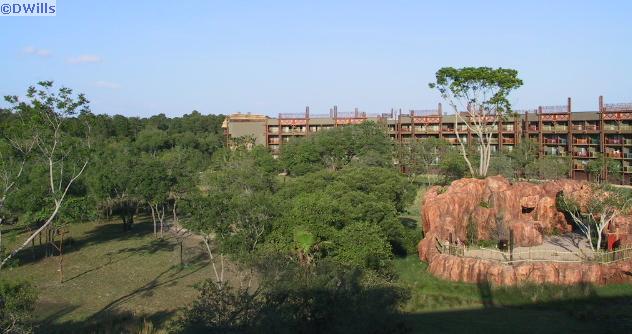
{"x":141,"y":58}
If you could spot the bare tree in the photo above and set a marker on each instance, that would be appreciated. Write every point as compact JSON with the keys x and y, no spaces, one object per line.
{"x":592,"y":216}
{"x":64,"y":156}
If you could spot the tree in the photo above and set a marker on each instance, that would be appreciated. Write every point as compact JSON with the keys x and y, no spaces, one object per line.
{"x":548,"y":168}
{"x":482,"y":92}
{"x":65,"y":156}
{"x":593,"y":215}
{"x":113,"y":183}
{"x":523,"y":153}
{"x":453,"y":166}
{"x":365,"y":144}
{"x":235,"y":204}
{"x":603,"y":165}
{"x":421,"y":156}
{"x":153,"y":183}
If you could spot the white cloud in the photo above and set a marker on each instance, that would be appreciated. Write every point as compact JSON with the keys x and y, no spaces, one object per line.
{"x":84,"y":59}
{"x":35,"y":51}
{"x":107,"y":84}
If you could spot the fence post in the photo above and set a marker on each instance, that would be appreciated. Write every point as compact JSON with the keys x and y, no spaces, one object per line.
{"x":511,"y":244}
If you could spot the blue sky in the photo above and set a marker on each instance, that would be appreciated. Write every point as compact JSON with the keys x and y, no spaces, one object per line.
{"x":140,"y":58}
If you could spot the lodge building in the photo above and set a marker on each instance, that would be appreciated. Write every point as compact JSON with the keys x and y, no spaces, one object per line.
{"x":557,"y":130}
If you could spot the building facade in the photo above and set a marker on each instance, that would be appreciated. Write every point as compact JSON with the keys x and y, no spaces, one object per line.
{"x":558,"y":130}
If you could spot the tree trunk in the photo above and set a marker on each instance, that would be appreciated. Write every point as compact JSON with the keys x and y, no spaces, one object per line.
{"x":61,"y":258}
{"x":153,"y":218}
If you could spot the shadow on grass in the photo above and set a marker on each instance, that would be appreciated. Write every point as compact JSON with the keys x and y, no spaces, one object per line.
{"x":171,"y":276}
{"x":109,"y":322}
{"x":586,"y":315}
{"x":101,"y":233}
{"x":375,"y":311}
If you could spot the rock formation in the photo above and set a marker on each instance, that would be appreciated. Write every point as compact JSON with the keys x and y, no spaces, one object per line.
{"x":495,"y":206}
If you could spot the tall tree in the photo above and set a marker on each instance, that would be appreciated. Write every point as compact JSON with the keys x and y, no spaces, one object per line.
{"x":482,"y":92}
{"x":65,"y":156}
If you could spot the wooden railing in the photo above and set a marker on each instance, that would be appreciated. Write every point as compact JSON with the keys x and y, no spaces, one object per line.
{"x":534,"y":255}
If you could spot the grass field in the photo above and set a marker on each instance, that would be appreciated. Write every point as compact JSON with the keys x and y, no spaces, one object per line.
{"x":114,"y":275}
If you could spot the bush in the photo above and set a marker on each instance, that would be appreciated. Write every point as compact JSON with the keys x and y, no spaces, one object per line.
{"x":17,"y":301}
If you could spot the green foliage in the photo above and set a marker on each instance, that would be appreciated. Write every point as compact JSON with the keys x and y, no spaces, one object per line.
{"x":603,"y":164}
{"x":351,"y":214}
{"x":523,"y":154}
{"x":548,"y":168}
{"x":17,"y":302}
{"x":363,"y":245}
{"x":453,"y":165}
{"x":482,"y":86}
{"x":365,"y":144}
{"x":501,"y":164}
{"x":327,"y":298}
{"x":235,"y":202}
{"x":421,"y":156}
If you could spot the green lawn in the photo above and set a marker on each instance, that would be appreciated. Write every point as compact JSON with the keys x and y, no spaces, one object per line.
{"x":111,"y":274}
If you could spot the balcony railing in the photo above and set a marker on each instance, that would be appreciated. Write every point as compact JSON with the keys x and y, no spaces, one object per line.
{"x":559,"y":141}
{"x":614,"y":107}
{"x":508,"y":141}
{"x":555,"y":153}
{"x":614,"y":141}
{"x":582,"y":127}
{"x":554,"y":109}
{"x":584,"y":154}
{"x":614,"y":154}
{"x":579,"y":167}
{"x":585,"y":141}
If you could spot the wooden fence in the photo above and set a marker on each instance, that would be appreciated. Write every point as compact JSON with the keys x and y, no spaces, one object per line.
{"x":534,"y":255}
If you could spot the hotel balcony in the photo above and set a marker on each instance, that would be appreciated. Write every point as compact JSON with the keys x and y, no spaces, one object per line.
{"x":579,"y":166}
{"x":582,"y":127}
{"x":556,"y":141}
{"x":556,"y":128}
{"x":614,"y":154}
{"x":584,"y":154}
{"x":508,"y":140}
{"x":555,"y":153}
{"x":616,"y":141}
{"x":585,"y":141}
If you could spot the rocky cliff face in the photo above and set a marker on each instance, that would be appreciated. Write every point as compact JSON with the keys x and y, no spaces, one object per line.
{"x":472,"y":270}
{"x":495,"y":204}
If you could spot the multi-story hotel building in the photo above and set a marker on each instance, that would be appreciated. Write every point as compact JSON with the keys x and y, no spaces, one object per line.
{"x":558,"y":130}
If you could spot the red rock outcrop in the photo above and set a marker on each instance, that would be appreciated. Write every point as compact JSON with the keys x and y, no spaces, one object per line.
{"x":473,"y":270}
{"x":526,"y":208}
